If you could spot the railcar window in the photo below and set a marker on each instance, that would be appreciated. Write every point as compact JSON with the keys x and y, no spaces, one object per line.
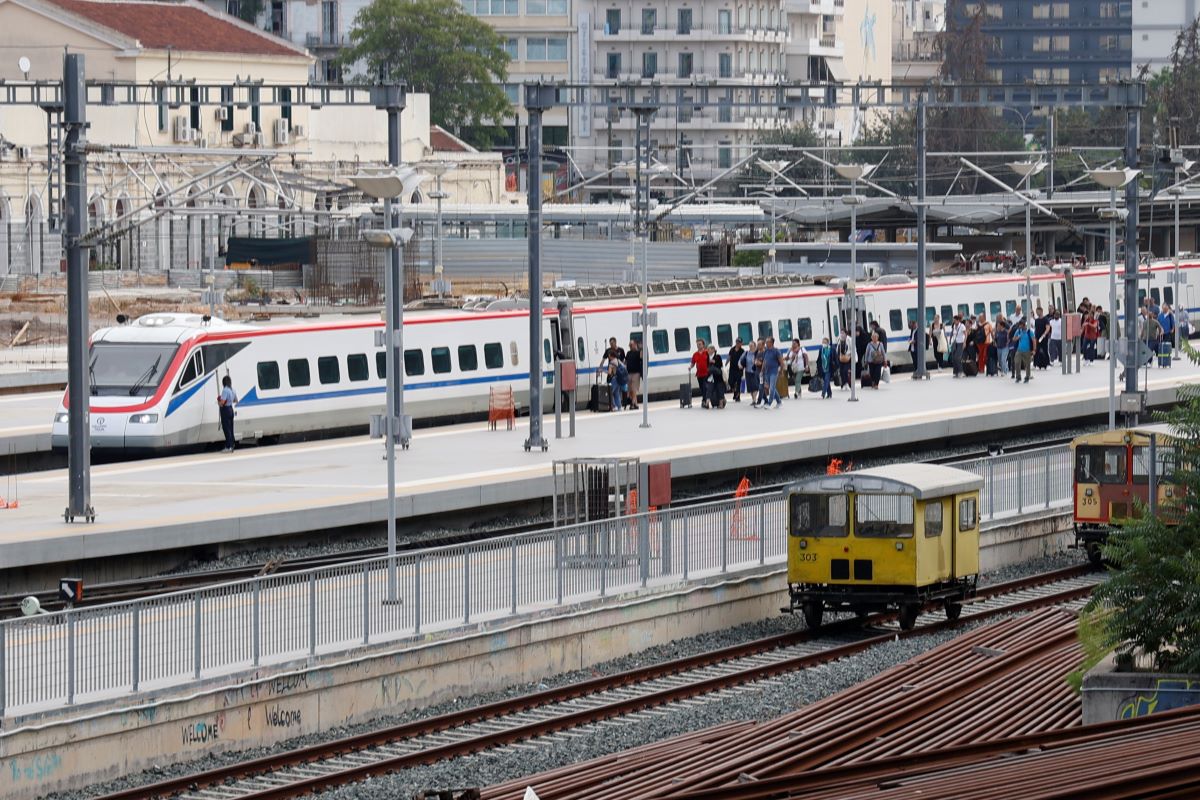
{"x":930,"y":313}
{"x":381,"y":364}
{"x":1141,"y":297}
{"x":704,"y":332}
{"x":994,"y":308}
{"x":546,"y":355}
{"x":1010,"y":308}
{"x":414,"y":362}
{"x":894,"y":320}
{"x":724,"y":336}
{"x":964,"y":309}
{"x":356,"y":367}
{"x":1154,"y":295}
{"x":745,"y":332}
{"x":580,"y":353}
{"x":328,"y":369}
{"x":967,"y":515}
{"x":636,"y":336}
{"x":804,"y":329}
{"x":659,"y":341}
{"x":440,"y":356}
{"x":947,"y":314}
{"x":468,"y":358}
{"x":217,"y":354}
{"x":883,"y":516}
{"x":912,"y":315}
{"x":493,"y":355}
{"x":818,"y":515}
{"x":298,"y":374}
{"x":683,"y":341}
{"x":268,"y":376}
{"x":785,"y":330}
{"x":192,"y":371}
{"x":980,"y":308}
{"x":1169,"y":295}
{"x":935,"y":519}
{"x":1094,"y":464}
{"x":764,"y":329}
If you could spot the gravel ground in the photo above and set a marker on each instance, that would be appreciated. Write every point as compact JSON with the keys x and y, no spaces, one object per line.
{"x":490,"y":768}
{"x":262,"y":555}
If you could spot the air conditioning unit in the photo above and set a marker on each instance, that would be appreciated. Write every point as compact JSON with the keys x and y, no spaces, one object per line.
{"x":23,"y":153}
{"x":282,"y":130}
{"x":259,"y":140}
{"x":222,"y":113}
{"x":181,"y":131}
{"x":251,"y":128}
{"x":241,"y":140}
{"x":298,"y":131}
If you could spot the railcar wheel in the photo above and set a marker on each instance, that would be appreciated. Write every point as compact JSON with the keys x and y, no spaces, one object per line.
{"x":813,"y":611}
{"x":1094,"y":555}
{"x":908,"y":615}
{"x":953,"y":610}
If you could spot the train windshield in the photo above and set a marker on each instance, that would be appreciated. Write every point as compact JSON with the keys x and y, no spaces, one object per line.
{"x":1094,"y":464}
{"x":818,"y":515}
{"x":883,"y":516}
{"x":1164,"y":471}
{"x":128,"y":370}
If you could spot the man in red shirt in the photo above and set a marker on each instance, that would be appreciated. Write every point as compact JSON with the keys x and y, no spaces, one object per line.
{"x":700,"y":364}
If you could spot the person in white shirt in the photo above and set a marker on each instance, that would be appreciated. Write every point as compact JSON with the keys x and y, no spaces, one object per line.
{"x":227,"y":400}
{"x":1056,"y":337}
{"x":958,"y":335}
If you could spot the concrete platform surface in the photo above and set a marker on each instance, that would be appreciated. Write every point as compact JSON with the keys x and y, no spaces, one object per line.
{"x":208,"y":499}
{"x":25,"y":421}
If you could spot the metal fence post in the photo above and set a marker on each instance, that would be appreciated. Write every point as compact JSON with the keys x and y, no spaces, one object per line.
{"x":644,"y":547}
{"x":558,"y":565}
{"x":991,"y":480}
{"x":1020,"y":488}
{"x":466,"y":586}
{"x":665,"y":532}
{"x":366,"y":602}
{"x":70,"y":657}
{"x":725,"y":533}
{"x":255,"y":624}
{"x":762,"y":537}
{"x":196,"y":634}
{"x":417,"y":595}
{"x":604,"y":553}
{"x":513,"y":575}
{"x":687,"y":550}
{"x":3,"y":669}
{"x":135,"y":665}
{"x":1047,"y":478}
{"x":312,"y":613}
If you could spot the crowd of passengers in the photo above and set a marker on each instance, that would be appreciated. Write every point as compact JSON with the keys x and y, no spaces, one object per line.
{"x":969,"y":345}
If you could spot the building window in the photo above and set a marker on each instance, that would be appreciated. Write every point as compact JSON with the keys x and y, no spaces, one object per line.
{"x":724,"y":156}
{"x":613,"y":68}
{"x":725,"y":111}
{"x":541,"y":48}
{"x":512,"y":91}
{"x":539,"y":8}
{"x":724,"y":21}
{"x":1062,"y":10}
{"x":1061,"y":43}
{"x":724,"y":65}
{"x":1041,"y":11}
{"x":1041,"y":44}
{"x":329,"y":21}
{"x":649,"y":20}
{"x":686,"y":61}
{"x":1061,"y":75}
{"x":649,"y":64}
{"x":612,"y":21}
{"x":1108,"y":10}
{"x":684,"y":21}
{"x":511,"y":46}
{"x":1041,"y":74}
{"x":277,"y":22}
{"x":227,"y":106}
{"x":491,"y":8}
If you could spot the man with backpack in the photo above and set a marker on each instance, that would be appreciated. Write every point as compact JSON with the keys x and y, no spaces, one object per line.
{"x":1026,"y":344}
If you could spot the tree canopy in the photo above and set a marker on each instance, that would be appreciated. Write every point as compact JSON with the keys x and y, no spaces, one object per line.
{"x":435,"y":47}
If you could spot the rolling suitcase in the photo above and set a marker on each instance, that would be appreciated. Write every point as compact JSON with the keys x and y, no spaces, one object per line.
{"x":601,"y":399}
{"x":685,"y":395}
{"x":970,"y":369}
{"x":1164,"y":354}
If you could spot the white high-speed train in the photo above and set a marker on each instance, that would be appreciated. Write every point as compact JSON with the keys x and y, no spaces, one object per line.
{"x":154,"y":382}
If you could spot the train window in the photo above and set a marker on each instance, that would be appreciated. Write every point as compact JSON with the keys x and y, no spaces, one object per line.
{"x":964,"y":309}
{"x":994,"y":308}
{"x":745,"y":332}
{"x":1095,"y":464}
{"x":764,"y":329}
{"x":1141,"y":297}
{"x":980,"y":308}
{"x":1168,"y":295}
{"x":493,"y":355}
{"x":967,"y":514}
{"x":1141,"y":465}
{"x":381,"y":364}
{"x":268,"y":376}
{"x":356,"y":367}
{"x":883,"y":516}
{"x":414,"y":362}
{"x":217,"y":354}
{"x":894,"y":320}
{"x":328,"y":369}
{"x":546,"y":355}
{"x":440,"y":356}
{"x":930,"y":313}
{"x":912,"y":315}
{"x":580,"y":353}
{"x":514,"y":354}
{"x":1154,"y":296}
{"x":785,"y":330}
{"x":636,"y":336}
{"x":193,"y":370}
{"x":935,"y":520}
{"x":682,"y":341}
{"x":468,"y":358}
{"x":1010,"y":308}
{"x":724,"y":336}
{"x":818,"y":515}
{"x":658,"y":339}
{"x":298,"y":374}
{"x":947,"y":314}
{"x":804,"y":329}
{"x":704,"y":332}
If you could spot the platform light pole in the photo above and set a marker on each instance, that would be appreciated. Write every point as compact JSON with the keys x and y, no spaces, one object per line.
{"x":437,"y":169}
{"x":386,"y":186}
{"x":853,"y":173}
{"x":1025,"y":170}
{"x":1114,"y":179}
{"x":776,"y":168}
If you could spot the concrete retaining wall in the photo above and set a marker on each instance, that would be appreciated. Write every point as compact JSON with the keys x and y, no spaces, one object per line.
{"x":1109,"y":695}
{"x":72,"y":748}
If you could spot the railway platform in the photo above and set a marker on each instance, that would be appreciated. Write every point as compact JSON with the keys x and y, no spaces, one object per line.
{"x":257,"y":493}
{"x":25,"y":421}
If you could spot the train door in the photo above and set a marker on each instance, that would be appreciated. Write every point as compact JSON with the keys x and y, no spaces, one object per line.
{"x":833,"y":318}
{"x":193,"y":404}
{"x":584,"y":365}
{"x":965,"y":531}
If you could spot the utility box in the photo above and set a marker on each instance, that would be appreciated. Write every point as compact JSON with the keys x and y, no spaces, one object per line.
{"x":656,"y":484}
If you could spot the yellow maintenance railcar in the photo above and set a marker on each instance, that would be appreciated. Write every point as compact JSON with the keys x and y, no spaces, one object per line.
{"x":891,"y":538}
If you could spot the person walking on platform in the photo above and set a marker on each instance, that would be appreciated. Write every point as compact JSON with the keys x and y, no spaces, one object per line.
{"x":1026,"y":345}
{"x":633,"y":366}
{"x":1166,"y":321}
{"x":958,"y":341}
{"x":700,"y":365}
{"x":913,"y":333}
{"x":226,"y":401}
{"x":796,"y":362}
{"x":772,"y":366}
{"x":844,"y":356}
{"x":1000,"y":338}
{"x":1056,"y":336}
{"x":825,"y":368}
{"x":734,"y":361}
{"x":937,"y":335}
{"x":876,"y":357}
{"x":716,"y":378}
{"x":861,"y":340}
{"x":752,"y":369}
{"x":1183,"y":324}
{"x":1091,"y":335}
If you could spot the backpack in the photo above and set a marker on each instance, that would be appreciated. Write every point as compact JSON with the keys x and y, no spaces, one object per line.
{"x":622,"y":373}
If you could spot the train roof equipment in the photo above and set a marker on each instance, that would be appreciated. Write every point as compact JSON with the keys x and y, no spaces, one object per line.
{"x":921,"y":481}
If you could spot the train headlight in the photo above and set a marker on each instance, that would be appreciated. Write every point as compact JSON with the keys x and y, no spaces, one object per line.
{"x":61,"y":417}
{"x":144,"y":419}
{"x":1087,"y":492}
{"x":899,"y":545}
{"x":804,"y":544}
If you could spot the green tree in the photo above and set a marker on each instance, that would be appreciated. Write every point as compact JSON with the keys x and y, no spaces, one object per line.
{"x":1151,"y":602}
{"x":1173,"y":96}
{"x":435,"y":47}
{"x":248,"y":10}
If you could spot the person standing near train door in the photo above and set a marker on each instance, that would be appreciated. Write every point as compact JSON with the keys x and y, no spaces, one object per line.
{"x":226,"y":400}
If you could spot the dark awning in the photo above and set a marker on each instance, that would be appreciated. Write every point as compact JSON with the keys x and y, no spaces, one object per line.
{"x":271,"y":252}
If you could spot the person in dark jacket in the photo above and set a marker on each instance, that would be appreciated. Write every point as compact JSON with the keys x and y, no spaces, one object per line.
{"x":861,"y":340}
{"x":735,"y":369}
{"x":633,"y":365}
{"x":825,"y":368}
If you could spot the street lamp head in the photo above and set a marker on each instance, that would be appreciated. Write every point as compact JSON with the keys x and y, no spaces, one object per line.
{"x":1027,"y":169}
{"x":1113,"y":178}
{"x":387,"y":239}
{"x":387,"y":184}
{"x":854,"y":172}
{"x":774,"y":166}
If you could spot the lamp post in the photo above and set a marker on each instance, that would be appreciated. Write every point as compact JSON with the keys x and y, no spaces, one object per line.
{"x":1114,"y":179}
{"x":386,"y":186}
{"x":776,"y":168}
{"x":1026,"y":170}
{"x":437,"y":169}
{"x":1177,"y":190}
{"x":853,"y":173}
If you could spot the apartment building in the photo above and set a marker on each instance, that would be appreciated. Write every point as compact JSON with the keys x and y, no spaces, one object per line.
{"x":1156,"y":24}
{"x":916,"y":25}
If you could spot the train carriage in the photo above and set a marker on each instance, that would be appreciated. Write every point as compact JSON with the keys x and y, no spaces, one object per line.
{"x":891,"y":538}
{"x":1112,"y":476}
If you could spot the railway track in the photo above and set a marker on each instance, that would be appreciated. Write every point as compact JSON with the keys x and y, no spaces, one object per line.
{"x":118,"y":591}
{"x":572,"y":710}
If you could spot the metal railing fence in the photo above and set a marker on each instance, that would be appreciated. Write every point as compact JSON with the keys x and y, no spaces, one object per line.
{"x":90,"y":654}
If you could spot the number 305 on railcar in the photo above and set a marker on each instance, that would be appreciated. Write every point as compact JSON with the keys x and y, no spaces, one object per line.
{"x":889,"y":539}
